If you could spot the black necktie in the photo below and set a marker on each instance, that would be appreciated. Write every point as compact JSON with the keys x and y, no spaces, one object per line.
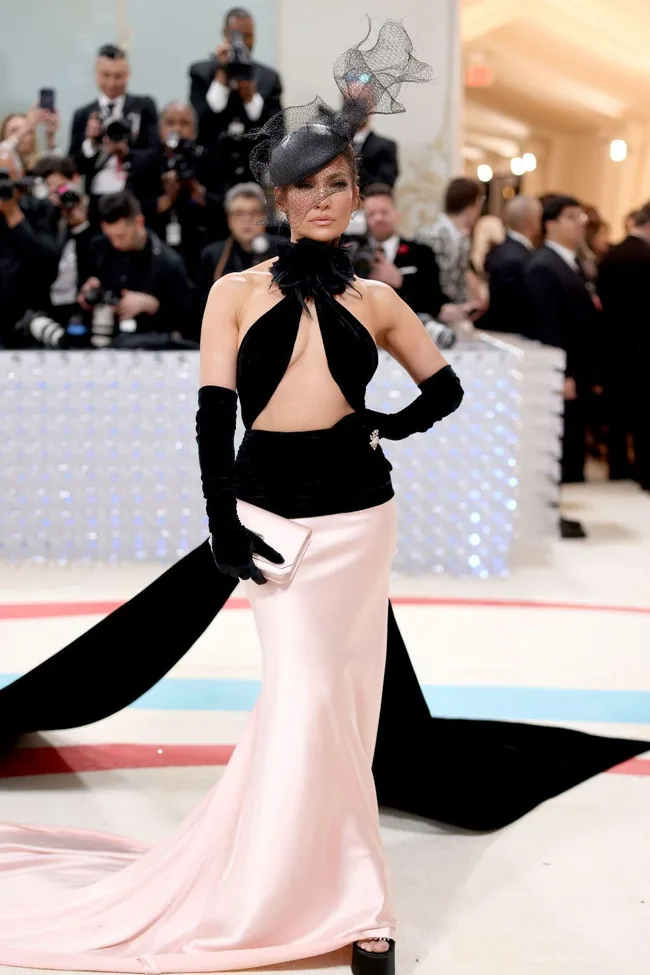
{"x":110,"y":108}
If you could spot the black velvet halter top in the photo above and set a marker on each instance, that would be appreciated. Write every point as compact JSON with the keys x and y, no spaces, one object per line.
{"x":308,"y":269}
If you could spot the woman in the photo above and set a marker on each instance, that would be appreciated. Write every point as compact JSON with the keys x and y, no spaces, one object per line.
{"x":270,"y":868}
{"x":18,"y":131}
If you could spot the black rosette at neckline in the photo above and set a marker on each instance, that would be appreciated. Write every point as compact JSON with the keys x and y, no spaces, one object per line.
{"x":312,"y":268}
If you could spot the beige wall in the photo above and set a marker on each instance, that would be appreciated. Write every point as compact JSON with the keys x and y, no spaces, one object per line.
{"x":310,"y":38}
{"x":581,"y":167}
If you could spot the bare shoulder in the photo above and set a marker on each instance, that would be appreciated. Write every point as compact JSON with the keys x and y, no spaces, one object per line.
{"x":381,"y":297}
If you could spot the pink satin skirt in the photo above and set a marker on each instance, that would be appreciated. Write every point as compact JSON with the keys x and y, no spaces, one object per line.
{"x":283,"y":858}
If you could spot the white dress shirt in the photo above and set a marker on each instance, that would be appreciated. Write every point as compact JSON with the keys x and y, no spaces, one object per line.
{"x":217,"y":98}
{"x":111,"y":178}
{"x":65,"y":289}
{"x":567,"y":255}
{"x":359,"y":139}
{"x":521,"y":239}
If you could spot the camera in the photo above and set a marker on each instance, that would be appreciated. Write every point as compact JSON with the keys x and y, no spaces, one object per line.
{"x":362,"y":255}
{"x":185,"y":157}
{"x":69,"y":197}
{"x":441,"y":334}
{"x":42,"y":329}
{"x":118,"y":130}
{"x":102,"y":303}
{"x":239,"y":66}
{"x":8,"y":185}
{"x":46,"y":331}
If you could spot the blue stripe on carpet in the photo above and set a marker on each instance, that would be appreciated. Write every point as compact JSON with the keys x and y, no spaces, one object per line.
{"x":507,"y":703}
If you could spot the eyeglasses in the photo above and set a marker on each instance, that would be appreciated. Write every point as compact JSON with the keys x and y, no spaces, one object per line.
{"x":245,"y":214}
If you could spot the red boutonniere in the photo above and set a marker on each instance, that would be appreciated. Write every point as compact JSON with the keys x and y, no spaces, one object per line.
{"x":403,"y":249}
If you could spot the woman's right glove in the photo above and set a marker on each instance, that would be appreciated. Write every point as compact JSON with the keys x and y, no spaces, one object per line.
{"x":232,"y":544}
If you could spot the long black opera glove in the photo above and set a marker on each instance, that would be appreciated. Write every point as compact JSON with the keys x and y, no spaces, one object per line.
{"x":232,"y":544}
{"x":440,"y":395}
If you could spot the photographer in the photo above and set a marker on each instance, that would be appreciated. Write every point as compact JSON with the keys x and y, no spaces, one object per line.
{"x":138,"y":291}
{"x":408,"y":267}
{"x":28,"y":250}
{"x":74,"y":235}
{"x":187,"y":210}
{"x":248,"y":243}
{"x":115,"y":134}
{"x":18,"y":132}
{"x":232,"y":94}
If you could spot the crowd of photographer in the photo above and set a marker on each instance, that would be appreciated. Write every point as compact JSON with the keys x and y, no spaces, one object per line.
{"x":118,"y":241}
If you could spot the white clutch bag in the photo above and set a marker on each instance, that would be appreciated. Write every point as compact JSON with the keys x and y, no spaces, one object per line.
{"x":287,"y":537}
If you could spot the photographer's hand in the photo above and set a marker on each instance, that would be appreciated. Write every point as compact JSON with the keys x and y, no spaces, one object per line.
{"x":134,"y":303}
{"x":198,"y":193}
{"x":247,"y":90}
{"x":119,"y":149}
{"x":51,"y":122}
{"x":11,"y":211}
{"x":223,"y":56}
{"x":90,"y":285}
{"x":383,"y":270}
{"x":94,"y":128}
{"x":171,"y":188}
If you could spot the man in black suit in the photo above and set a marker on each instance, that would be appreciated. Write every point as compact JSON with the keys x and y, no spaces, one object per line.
{"x":138,"y":283}
{"x":563,"y":314}
{"x":74,"y":233}
{"x":232,"y":94}
{"x":28,"y":251}
{"x":408,"y":267}
{"x":624,"y":290}
{"x":113,"y":136}
{"x":180,"y":192}
{"x":248,"y":243}
{"x":505,"y":266}
{"x":377,"y":158}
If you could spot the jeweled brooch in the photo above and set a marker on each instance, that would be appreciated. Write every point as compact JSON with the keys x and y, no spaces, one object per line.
{"x":374,"y":439}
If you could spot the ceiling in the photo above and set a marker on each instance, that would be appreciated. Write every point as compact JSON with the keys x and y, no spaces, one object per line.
{"x":568,"y":66}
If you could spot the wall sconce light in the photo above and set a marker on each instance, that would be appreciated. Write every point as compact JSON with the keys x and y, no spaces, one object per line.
{"x":518,"y":166}
{"x":618,"y":150}
{"x":484,"y":173}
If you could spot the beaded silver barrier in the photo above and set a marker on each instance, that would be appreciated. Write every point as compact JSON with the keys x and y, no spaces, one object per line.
{"x":98,"y":459}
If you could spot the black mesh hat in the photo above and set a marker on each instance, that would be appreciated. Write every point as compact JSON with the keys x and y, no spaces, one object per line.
{"x":301,"y":140}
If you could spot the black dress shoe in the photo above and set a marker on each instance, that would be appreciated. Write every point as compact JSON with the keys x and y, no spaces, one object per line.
{"x":571,"y":529}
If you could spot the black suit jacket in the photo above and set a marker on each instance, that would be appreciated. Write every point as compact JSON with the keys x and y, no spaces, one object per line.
{"x":623,"y":287}
{"x":562,"y":313}
{"x":421,"y":288}
{"x":214,"y":125}
{"x":29,"y":259}
{"x":141,"y":111}
{"x":378,"y":161}
{"x":505,"y":267}
{"x":238,"y":260}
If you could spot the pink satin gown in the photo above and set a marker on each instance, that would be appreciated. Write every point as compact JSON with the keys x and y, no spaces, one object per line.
{"x":283,"y":859}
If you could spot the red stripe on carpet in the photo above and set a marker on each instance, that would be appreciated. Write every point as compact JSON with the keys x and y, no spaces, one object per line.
{"x":71,"y":759}
{"x":27,"y":611}
{"x":633,"y":766}
{"x":103,"y":758}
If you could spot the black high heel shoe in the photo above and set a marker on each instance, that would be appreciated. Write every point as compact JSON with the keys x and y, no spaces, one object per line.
{"x":373,"y":962}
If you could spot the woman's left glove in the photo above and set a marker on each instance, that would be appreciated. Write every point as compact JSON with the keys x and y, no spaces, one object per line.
{"x":440,"y":395}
